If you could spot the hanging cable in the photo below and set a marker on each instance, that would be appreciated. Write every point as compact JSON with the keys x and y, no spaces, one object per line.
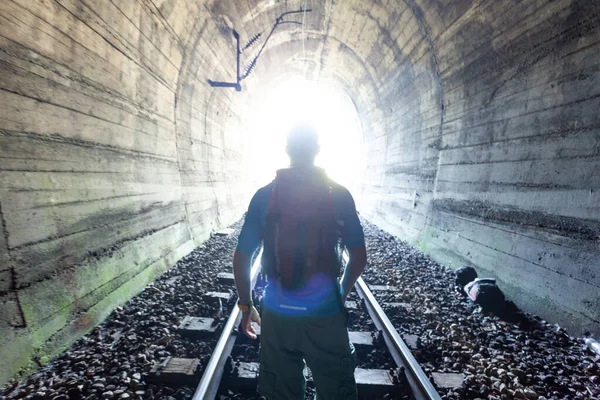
{"x":280,"y":20}
{"x":303,"y":34}
{"x":253,"y":40}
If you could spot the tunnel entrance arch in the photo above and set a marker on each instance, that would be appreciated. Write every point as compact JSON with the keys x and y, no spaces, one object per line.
{"x":324,"y":104}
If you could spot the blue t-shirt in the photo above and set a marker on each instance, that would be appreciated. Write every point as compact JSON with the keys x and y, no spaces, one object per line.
{"x":323,"y":302}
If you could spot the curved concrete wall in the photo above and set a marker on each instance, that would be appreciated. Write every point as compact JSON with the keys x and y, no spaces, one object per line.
{"x":117,"y":158}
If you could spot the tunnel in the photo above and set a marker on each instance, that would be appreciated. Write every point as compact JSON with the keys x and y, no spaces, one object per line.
{"x":472,"y":127}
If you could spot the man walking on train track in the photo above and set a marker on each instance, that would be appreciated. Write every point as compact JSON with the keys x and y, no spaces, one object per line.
{"x":303,"y":219}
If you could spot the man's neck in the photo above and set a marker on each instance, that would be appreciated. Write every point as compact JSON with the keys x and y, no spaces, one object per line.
{"x":302,"y":164}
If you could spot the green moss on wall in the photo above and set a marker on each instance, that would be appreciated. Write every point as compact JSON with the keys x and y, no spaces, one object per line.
{"x":61,"y":310}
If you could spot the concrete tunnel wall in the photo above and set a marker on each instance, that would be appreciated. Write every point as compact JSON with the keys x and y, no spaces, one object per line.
{"x":481,"y":129}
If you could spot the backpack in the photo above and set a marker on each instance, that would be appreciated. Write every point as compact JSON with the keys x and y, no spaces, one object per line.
{"x":485,"y":293}
{"x":300,"y":237}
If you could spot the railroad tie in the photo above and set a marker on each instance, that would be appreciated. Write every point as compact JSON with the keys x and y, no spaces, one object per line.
{"x":214,"y":297}
{"x":448,"y":380}
{"x":224,"y":232}
{"x":361,"y":339}
{"x":405,"y":306}
{"x":371,"y":383}
{"x":412,"y":341}
{"x":226,"y":278}
{"x":197,"y":327}
{"x":176,"y":371}
{"x":383,"y":288}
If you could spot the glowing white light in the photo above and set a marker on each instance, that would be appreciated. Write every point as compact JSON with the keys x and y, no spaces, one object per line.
{"x":328,"y":108}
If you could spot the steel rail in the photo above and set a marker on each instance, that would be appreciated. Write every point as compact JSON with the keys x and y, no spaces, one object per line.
{"x":420,"y":385}
{"x":211,"y":378}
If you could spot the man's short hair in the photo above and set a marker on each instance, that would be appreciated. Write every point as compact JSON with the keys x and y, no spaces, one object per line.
{"x":302,"y":140}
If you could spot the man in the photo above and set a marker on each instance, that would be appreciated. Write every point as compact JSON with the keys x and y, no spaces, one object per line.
{"x":300,"y":218}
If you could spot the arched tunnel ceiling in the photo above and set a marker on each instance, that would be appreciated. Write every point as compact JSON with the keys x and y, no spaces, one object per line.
{"x":480,"y":122}
{"x":379,"y":53}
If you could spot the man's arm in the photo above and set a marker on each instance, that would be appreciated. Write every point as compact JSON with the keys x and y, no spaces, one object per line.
{"x":241,"y":272}
{"x":354,"y":240}
{"x":248,"y":242}
{"x":356,"y":265}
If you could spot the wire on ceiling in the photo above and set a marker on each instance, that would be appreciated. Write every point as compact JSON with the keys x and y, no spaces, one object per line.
{"x":303,"y":34}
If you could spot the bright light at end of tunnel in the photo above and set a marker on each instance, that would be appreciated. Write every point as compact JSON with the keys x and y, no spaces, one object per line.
{"x":326,"y":107}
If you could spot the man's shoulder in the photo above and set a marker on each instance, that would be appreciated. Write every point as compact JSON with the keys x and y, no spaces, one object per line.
{"x":262,"y":195}
{"x":267,"y":189}
{"x":340,"y":191}
{"x":342,"y":198}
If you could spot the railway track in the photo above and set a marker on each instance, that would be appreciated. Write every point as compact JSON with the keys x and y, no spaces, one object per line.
{"x":420,"y":386}
{"x":211,"y":379}
{"x":144,"y":351}
{"x":402,"y":378}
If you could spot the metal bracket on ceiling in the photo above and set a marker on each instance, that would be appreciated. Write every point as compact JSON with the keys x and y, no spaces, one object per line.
{"x":250,"y":67}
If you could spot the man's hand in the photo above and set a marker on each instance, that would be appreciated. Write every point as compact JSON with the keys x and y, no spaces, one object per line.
{"x":247,"y":318}
{"x":344,"y":294}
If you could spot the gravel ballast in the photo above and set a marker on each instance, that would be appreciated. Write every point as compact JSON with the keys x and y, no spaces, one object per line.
{"x":523,"y":357}
{"x":115,"y":359}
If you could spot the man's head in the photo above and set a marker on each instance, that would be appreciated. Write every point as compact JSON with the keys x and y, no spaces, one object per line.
{"x":302,"y":144}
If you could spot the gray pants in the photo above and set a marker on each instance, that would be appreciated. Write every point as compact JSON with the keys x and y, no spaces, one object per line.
{"x":287,"y":342}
